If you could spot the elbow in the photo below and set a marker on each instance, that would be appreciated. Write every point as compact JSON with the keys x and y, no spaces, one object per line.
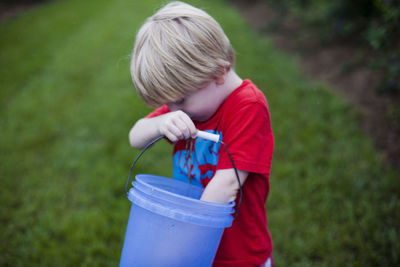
{"x":224,"y":187}
{"x":134,"y":143}
{"x":133,"y":140}
{"x":228,"y":196}
{"x":225,"y":191}
{"x":232,"y":192}
{"x":231,"y":189}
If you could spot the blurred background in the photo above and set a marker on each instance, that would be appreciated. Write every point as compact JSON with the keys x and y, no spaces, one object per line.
{"x":330,"y":72}
{"x":353,"y":46}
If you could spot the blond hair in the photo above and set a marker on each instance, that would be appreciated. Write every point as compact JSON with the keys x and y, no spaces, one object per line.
{"x":177,"y":51}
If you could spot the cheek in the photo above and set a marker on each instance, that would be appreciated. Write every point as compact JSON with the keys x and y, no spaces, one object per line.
{"x":172,"y":107}
{"x":200,"y":106}
{"x":200,"y":112}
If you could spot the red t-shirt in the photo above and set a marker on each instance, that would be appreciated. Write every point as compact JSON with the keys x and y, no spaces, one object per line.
{"x":243,"y":121}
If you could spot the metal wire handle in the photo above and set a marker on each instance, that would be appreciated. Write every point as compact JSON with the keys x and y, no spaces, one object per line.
{"x":137,"y":158}
{"x":150,"y":144}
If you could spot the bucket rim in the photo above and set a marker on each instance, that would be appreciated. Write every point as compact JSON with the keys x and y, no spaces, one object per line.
{"x":177,"y":206}
{"x":189,"y":199}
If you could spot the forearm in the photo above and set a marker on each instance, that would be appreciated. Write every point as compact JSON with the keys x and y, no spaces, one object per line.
{"x":175,"y":125}
{"x":144,"y":131}
{"x":223,"y":187}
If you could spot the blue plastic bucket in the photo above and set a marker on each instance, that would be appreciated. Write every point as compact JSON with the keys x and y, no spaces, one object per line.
{"x":169,"y":226}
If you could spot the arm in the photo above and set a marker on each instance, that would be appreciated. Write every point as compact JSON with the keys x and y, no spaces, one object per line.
{"x":224,"y":186}
{"x":174,"y":125}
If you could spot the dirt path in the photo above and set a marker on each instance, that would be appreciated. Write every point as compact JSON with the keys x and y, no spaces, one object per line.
{"x":342,"y":66}
{"x":11,"y":9}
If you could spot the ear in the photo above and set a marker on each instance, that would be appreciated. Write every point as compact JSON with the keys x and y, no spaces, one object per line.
{"x":221,"y":80}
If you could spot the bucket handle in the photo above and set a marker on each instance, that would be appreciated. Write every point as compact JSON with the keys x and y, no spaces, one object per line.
{"x":202,"y":134}
{"x":150,"y":144}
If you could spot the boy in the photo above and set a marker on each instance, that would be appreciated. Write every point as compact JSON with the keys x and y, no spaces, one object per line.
{"x":182,"y":64}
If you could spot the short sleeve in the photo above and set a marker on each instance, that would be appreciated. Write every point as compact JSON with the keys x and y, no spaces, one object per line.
{"x":159,"y":111}
{"x":248,"y":136}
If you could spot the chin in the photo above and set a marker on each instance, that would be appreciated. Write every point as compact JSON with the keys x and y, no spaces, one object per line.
{"x":201,"y":117}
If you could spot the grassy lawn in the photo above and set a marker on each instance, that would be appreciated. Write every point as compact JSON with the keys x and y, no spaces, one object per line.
{"x":67,"y":104}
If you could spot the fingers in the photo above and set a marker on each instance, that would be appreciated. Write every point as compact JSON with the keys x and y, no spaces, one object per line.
{"x":172,"y":136}
{"x":177,"y":125}
{"x":187,"y":126}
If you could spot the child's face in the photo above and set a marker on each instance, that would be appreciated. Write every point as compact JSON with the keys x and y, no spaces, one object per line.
{"x":202,"y":104}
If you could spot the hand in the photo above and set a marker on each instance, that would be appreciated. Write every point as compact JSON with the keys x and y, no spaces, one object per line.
{"x":176,"y":125}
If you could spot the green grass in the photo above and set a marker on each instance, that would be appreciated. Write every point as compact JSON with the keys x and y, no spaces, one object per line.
{"x":67,"y":104}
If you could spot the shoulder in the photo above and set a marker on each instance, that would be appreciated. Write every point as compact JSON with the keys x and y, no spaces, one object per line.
{"x":247,"y":97}
{"x":246,"y":130}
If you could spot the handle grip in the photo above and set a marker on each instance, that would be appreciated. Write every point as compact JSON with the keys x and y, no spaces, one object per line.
{"x":208,"y":136}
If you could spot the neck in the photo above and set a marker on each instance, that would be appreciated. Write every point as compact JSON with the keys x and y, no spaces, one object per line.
{"x":232,"y":82}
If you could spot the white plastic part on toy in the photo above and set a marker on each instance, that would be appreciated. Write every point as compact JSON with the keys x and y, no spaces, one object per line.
{"x":208,"y":136}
